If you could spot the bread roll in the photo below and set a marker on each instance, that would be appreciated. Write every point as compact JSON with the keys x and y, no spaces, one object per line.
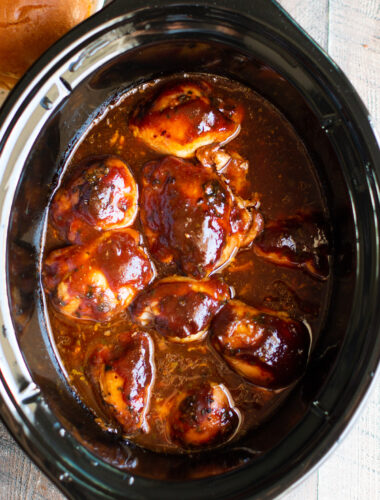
{"x":29,"y":27}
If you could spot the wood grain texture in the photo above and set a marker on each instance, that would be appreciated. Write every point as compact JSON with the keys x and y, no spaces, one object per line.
{"x":353,"y":471}
{"x":354,"y":43}
{"x":349,"y":30}
{"x":312,"y":16}
{"x":20,"y":479}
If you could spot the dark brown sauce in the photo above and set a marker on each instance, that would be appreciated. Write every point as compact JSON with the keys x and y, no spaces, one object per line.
{"x":282,"y":174}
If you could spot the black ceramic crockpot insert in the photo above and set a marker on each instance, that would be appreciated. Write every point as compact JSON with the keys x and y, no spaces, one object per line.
{"x":124,"y":45}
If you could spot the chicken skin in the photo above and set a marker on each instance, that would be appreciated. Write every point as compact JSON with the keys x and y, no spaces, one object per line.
{"x":268,"y":348}
{"x":181,"y":309}
{"x":124,"y":377}
{"x":232,"y":167}
{"x":184,"y":117}
{"x":201,"y":417}
{"x":97,"y":280}
{"x":191,"y":217}
{"x":103,"y":197}
{"x":299,"y":241}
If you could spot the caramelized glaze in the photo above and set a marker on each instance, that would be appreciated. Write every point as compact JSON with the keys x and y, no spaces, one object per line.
{"x":189,"y":381}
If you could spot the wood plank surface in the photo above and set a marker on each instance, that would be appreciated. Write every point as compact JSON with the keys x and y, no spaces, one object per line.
{"x":354,"y":43}
{"x":349,"y":31}
{"x":312,"y":16}
{"x":20,"y":479}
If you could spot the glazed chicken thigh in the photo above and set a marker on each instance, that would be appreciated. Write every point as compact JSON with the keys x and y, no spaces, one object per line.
{"x":268,"y":348}
{"x":232,"y":167}
{"x":191,"y":217}
{"x":181,"y":309}
{"x":97,"y":280}
{"x":298,"y":241}
{"x":184,"y":117}
{"x":124,"y":377}
{"x":104,"y":196}
{"x":201,"y":417}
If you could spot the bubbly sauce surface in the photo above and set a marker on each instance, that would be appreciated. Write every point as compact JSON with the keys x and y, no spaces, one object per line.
{"x":282,"y":175}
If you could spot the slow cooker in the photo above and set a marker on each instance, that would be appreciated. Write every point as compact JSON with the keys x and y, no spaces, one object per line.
{"x":125,"y":44}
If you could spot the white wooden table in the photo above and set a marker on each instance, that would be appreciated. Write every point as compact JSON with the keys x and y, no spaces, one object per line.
{"x":349,"y":31}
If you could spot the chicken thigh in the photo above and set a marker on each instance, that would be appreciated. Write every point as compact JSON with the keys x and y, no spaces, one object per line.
{"x":232,"y":167}
{"x":97,"y":280}
{"x":298,"y":241}
{"x":179,"y":308}
{"x":124,"y":376}
{"x":104,"y":196}
{"x":203,"y":416}
{"x":191,"y":217}
{"x":184,"y":117}
{"x":268,"y":348}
